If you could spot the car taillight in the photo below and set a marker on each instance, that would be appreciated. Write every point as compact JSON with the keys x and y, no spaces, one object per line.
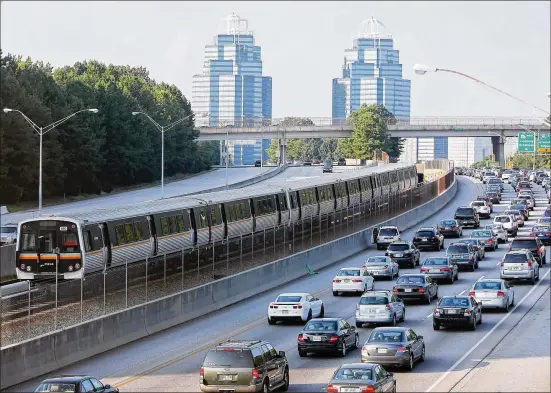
{"x":533,"y":234}
{"x":455,"y":228}
{"x":500,"y":294}
{"x":467,"y":312}
{"x":510,"y":248}
{"x":529,"y":263}
{"x":332,"y":389}
{"x":421,"y":290}
{"x":424,"y":269}
{"x":489,"y":241}
{"x":401,"y":349}
{"x":548,"y":234}
{"x":475,"y":248}
{"x":385,"y":267}
{"x":334,"y":339}
{"x":202,"y":372}
{"x":368,"y":389}
{"x":434,"y":238}
{"x":445,"y":269}
{"x":336,"y":280}
{"x":255,"y":373}
{"x":502,"y":264}
{"x":300,"y":338}
{"x":394,"y":289}
{"x":471,"y":293}
{"x":387,"y":306}
{"x":273,"y":306}
{"x":356,"y":280}
{"x":295,"y":307}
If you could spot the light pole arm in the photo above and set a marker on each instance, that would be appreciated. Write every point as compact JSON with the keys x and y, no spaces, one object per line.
{"x":491,"y":87}
{"x":171,"y":125}
{"x":32,"y":123}
{"x":50,"y":127}
{"x":150,"y":119}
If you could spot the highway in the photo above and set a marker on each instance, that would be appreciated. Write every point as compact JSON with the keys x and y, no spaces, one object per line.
{"x":212,"y":179}
{"x":170,"y":360}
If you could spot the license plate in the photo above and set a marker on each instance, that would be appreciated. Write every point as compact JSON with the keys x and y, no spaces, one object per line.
{"x":452,"y":311}
{"x":346,"y":280}
{"x":381,"y":350}
{"x":434,"y":271}
{"x":316,"y":338}
{"x":376,"y":273}
{"x":398,"y":255}
{"x":408,"y":289}
{"x":456,"y":256}
{"x":350,"y":390}
{"x":448,"y":228}
{"x":425,"y":240}
{"x":226,"y":377}
{"x":516,"y":268}
{"x":285,"y":312}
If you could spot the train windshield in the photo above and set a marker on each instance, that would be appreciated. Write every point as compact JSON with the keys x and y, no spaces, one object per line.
{"x":49,"y":236}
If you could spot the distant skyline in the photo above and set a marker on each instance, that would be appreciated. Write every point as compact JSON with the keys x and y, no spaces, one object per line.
{"x":505,"y":44}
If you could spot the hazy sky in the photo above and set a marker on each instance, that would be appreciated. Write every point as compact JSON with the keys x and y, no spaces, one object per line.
{"x":505,"y":44}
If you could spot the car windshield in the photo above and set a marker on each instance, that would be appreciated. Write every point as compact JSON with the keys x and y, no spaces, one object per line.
{"x":517,"y":208}
{"x":289,"y":299}
{"x":528,"y":244}
{"x":454,"y":302}
{"x":424,"y":234}
{"x":488,"y":285}
{"x":515,"y":258}
{"x":474,"y":242}
{"x":314,"y":326}
{"x":458,"y":249}
{"x":502,"y":219}
{"x":354,"y":373}
{"x":372,"y":300}
{"x":398,"y":247}
{"x":464,"y":211}
{"x":435,"y":262}
{"x":56,"y":387}
{"x":411,"y":280}
{"x":376,"y":259}
{"x":229,"y":357}
{"x":349,"y":272}
{"x":481,"y":234}
{"x":8,"y":230}
{"x":388,"y":232}
{"x":491,"y":194}
{"x":389,"y":336}
{"x":447,"y":222}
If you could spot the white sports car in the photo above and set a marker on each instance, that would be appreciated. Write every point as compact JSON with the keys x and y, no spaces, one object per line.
{"x":295,"y":307}
{"x":353,"y":279}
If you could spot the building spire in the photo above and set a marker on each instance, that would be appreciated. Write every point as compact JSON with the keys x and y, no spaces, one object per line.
{"x":372,"y":28}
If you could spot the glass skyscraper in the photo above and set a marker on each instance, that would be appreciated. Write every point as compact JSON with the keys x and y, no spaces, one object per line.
{"x":371,"y":74}
{"x":232,"y":90}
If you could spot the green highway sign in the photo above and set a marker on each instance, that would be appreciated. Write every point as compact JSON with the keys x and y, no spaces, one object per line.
{"x":544,"y":142}
{"x":525,"y":142}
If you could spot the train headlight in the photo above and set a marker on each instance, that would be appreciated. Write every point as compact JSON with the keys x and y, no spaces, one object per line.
{"x":77,"y":266}
{"x":70,"y":268}
{"x":22,"y":267}
{"x":28,"y":268}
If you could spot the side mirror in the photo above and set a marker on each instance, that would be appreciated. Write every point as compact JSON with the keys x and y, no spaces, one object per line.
{"x":107,"y":386}
{"x":420,"y":337}
{"x":281,"y":354}
{"x":390,"y":374}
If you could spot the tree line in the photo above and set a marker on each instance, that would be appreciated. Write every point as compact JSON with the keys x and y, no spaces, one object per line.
{"x":370,"y":134}
{"x":91,"y":153}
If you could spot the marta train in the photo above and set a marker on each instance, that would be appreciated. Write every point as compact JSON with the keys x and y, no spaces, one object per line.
{"x":75,"y":245}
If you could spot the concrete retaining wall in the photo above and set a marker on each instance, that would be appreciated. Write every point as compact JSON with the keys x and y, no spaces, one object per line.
{"x":7,"y":261}
{"x":45,"y":354}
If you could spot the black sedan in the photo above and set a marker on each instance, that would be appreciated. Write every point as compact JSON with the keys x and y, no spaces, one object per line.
{"x":450,"y":228}
{"x":416,"y":286}
{"x":403,"y":253}
{"x":458,"y":311}
{"x":394,"y":346}
{"x":428,"y":238}
{"x":74,"y":383}
{"x":327,"y":335}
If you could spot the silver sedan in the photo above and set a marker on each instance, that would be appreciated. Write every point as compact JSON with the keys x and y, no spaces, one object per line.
{"x":488,"y":237}
{"x":499,"y":231}
{"x":382,"y":266}
{"x":361,"y":377}
{"x":440,"y":268}
{"x":493,"y":293}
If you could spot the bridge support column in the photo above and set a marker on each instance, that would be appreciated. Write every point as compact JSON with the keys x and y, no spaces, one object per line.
{"x":498,"y":144}
{"x":282,"y":150}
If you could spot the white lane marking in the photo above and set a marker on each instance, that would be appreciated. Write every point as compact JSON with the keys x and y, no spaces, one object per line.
{"x":443,"y":376}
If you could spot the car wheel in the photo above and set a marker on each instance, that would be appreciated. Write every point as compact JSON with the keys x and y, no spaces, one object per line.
{"x":410,"y":363}
{"x":343,"y":349}
{"x":506,"y":308}
{"x":357,"y":342}
{"x":285,"y":386}
{"x":472,"y":268}
{"x":322,"y":312}
{"x":429,"y":299}
{"x":394,"y":388}
{"x":480,"y":320}
{"x":436,"y":326}
{"x":302,"y":354}
{"x":513,"y":302}
{"x":265,"y":387}
{"x":359,"y":324}
{"x":422,"y":358}
{"x":270,"y":322}
{"x":403,"y":319}
{"x":473,"y":325}
{"x":335,"y":293}
{"x":309,"y":315}
{"x":393,"y":323}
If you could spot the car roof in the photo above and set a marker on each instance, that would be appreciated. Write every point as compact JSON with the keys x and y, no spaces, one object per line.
{"x":376,"y":293}
{"x":367,"y":366}
{"x":391,"y":328}
{"x":294,"y":294}
{"x":524,"y":238}
{"x":334,"y":319}
{"x":67,"y":378}
{"x":389,"y":227}
{"x":455,"y":296}
{"x":489,"y":280}
{"x":521,"y":251}
{"x":426,"y":229}
{"x":412,"y":274}
{"x":351,"y":267}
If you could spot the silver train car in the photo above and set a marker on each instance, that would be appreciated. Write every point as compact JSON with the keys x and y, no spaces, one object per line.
{"x":75,"y":245}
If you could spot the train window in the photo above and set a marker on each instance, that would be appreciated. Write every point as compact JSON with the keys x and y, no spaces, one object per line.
{"x":119,"y":229}
{"x":87,"y":240}
{"x":129,"y":231}
{"x":138,"y":231}
{"x":172,"y":224}
{"x":28,"y":242}
{"x":230,"y":213}
{"x":292,"y":200}
{"x":69,"y":242}
{"x":164,"y":226}
{"x":282,"y":204}
{"x":271,"y":205}
{"x":213,"y":216}
{"x":180,"y":223}
{"x":203,"y":219}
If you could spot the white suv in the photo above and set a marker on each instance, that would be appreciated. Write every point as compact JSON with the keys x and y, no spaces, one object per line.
{"x":519,"y":265}
{"x":386,"y":235}
{"x":508,"y":222}
{"x":481,"y":207}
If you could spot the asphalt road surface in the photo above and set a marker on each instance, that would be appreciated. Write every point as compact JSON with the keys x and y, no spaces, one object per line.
{"x":170,"y":360}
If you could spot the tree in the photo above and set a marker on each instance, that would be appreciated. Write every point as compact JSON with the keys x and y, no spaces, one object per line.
{"x":370,"y":133}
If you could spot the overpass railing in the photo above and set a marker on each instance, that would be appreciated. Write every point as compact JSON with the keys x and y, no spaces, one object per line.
{"x":47,"y":307}
{"x":399,"y":121}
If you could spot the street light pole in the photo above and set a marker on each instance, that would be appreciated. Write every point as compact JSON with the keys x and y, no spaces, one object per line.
{"x":41,"y":131}
{"x":163,"y":129}
{"x":421,"y":69}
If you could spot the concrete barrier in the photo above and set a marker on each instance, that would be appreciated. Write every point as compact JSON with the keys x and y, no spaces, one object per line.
{"x":41,"y":355}
{"x":7,"y":261}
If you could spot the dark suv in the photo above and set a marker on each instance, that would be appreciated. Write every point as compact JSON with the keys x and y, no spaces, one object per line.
{"x":467,"y":216}
{"x":403,"y":252}
{"x":244,"y":366}
{"x":532,"y":244}
{"x":428,"y":238}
